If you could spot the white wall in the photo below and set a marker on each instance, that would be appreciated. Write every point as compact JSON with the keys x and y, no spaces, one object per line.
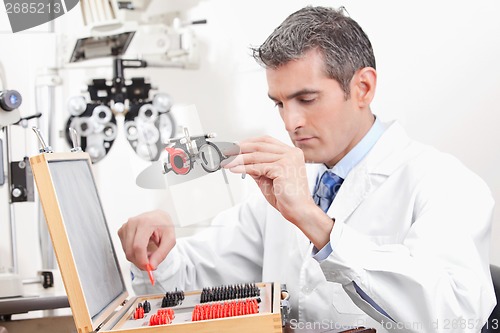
{"x":439,"y":75}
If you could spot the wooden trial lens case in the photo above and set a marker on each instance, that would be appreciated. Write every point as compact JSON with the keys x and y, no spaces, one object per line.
{"x":89,"y":266}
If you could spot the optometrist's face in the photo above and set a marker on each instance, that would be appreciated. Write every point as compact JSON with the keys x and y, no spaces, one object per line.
{"x":314,"y":109}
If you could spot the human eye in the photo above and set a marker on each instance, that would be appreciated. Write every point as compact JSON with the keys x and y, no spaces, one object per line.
{"x":307,"y":99}
{"x":277,"y":104}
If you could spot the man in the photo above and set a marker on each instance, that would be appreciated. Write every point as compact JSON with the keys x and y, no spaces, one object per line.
{"x":404,"y":245}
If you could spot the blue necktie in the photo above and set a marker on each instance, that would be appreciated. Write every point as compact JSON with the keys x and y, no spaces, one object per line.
{"x":326,"y":189}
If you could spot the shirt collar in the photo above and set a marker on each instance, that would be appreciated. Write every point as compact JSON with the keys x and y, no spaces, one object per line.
{"x":356,"y":154}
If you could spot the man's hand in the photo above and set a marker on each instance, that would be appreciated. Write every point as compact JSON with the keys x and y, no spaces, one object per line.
{"x":147,"y":238}
{"x":279,"y":171}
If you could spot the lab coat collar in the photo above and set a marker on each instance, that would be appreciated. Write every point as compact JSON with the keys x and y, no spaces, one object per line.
{"x":383,"y":159}
{"x":380,"y":160}
{"x":386,"y":156}
{"x":354,"y":156}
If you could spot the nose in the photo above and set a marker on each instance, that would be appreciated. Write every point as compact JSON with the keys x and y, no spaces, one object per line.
{"x":293,"y":118}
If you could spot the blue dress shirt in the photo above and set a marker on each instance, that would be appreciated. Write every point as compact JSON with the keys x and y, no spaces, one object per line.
{"x":345,"y":165}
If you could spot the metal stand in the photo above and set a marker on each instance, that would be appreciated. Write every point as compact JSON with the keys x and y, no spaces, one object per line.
{"x":11,"y":282}
{"x":12,"y":225}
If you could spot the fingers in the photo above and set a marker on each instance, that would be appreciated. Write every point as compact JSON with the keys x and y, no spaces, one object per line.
{"x":258,"y":151}
{"x":269,"y":145}
{"x":251,"y":158}
{"x":147,"y":238}
{"x":127,"y":238}
{"x":164,"y":246}
{"x":268,"y":170}
{"x":265,"y":143}
{"x":263,"y":139}
{"x":266,"y":157}
{"x":139,"y":245}
{"x":135,"y":248}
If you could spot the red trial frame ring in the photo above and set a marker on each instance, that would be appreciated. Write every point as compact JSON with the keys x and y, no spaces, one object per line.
{"x":179,"y":155}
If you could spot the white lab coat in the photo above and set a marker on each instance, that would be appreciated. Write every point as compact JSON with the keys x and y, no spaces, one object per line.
{"x":412,"y":229}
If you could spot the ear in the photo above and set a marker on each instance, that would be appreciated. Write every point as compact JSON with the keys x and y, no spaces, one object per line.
{"x":363,"y":86}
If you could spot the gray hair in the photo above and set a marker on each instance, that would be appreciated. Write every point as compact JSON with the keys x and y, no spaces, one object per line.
{"x":343,"y":44}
